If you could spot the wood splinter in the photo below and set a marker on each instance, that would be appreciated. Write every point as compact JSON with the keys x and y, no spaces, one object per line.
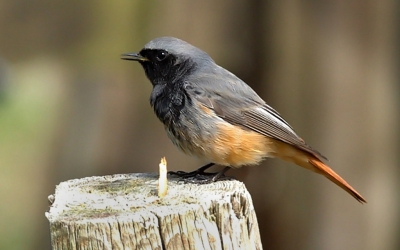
{"x":162,"y":180}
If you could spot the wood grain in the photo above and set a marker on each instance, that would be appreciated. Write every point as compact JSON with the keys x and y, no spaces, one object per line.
{"x":124,"y":212}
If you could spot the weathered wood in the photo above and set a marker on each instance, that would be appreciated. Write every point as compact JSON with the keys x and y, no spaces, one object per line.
{"x":124,"y":212}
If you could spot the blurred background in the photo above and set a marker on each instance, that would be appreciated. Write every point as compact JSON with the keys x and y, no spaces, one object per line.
{"x":70,"y":108}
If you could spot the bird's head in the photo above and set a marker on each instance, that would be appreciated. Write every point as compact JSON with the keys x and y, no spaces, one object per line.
{"x":168,"y":59}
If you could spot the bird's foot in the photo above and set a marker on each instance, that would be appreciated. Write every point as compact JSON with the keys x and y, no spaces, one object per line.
{"x":199,"y":171}
{"x":199,"y":176}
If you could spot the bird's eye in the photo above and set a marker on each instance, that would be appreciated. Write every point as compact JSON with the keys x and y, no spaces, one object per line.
{"x":161,"y":55}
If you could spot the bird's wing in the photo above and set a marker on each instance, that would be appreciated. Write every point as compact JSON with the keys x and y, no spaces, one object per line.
{"x":235,"y":102}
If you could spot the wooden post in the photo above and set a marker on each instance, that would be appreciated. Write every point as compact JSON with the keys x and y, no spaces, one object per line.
{"x":124,"y":212}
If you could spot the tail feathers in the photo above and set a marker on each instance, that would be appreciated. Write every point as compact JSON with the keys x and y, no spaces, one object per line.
{"x":323,"y":169}
{"x":306,"y":160}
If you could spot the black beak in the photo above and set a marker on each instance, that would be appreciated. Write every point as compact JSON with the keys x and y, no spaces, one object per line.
{"x":134,"y":57}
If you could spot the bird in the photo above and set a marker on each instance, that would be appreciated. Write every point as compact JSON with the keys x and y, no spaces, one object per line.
{"x":209,"y":112}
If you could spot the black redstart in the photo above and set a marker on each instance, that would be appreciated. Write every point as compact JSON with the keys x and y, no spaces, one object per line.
{"x":209,"y":112}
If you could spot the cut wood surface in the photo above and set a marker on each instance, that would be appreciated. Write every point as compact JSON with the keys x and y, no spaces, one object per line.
{"x":124,"y":212}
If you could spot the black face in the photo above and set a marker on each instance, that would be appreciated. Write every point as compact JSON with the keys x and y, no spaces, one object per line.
{"x":159,"y":66}
{"x":156,"y":56}
{"x":167,"y":73}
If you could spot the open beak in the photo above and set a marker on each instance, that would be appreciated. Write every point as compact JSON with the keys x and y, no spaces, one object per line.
{"x":134,"y":57}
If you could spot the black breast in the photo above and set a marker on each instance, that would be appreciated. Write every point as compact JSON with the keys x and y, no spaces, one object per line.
{"x":168,"y":102}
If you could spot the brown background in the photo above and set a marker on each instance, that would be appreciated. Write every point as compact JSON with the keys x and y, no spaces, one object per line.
{"x":70,"y":108}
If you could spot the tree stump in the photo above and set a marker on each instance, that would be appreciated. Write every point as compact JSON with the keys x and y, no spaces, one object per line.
{"x":124,"y":212}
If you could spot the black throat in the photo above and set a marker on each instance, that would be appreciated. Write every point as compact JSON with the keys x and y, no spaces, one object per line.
{"x":169,"y":96}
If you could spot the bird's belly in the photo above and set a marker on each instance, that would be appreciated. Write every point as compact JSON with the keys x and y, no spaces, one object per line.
{"x":225,"y":144}
{"x":234,"y":146}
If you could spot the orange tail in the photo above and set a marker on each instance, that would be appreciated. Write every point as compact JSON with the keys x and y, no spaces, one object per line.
{"x":335,"y":178}
{"x":289,"y":153}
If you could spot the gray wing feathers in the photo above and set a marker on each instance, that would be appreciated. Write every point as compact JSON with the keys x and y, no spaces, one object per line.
{"x":272,"y":125}
{"x":237,"y":103}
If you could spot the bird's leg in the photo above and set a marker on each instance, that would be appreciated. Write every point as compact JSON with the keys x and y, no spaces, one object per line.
{"x":200,"y":177}
{"x":221,"y":175}
{"x":199,"y":171}
{"x":210,"y":177}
